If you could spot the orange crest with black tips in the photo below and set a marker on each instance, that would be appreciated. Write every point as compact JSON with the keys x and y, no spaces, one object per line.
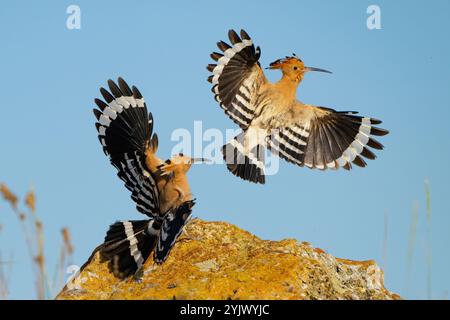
{"x":288,"y":62}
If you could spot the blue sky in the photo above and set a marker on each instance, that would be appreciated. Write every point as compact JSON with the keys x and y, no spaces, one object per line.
{"x":400,"y":74}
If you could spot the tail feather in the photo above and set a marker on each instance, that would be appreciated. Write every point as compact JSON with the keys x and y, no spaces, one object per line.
{"x":172,"y":225}
{"x":243,"y":163}
{"x":128,"y":244}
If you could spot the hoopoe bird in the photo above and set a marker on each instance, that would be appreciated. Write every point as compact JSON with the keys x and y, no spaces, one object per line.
{"x":159,"y":188}
{"x":271,"y":116}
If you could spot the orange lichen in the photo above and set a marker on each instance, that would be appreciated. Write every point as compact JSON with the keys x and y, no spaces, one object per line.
{"x":318,"y":250}
{"x":220,"y":261}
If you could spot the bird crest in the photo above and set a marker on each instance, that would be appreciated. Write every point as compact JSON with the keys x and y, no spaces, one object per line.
{"x":288,"y":60}
{"x":178,"y":163}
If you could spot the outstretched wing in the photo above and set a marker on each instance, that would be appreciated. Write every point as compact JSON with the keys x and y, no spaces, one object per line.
{"x":172,"y":225}
{"x":125,"y":127}
{"x":237,"y":77}
{"x":323,"y":138}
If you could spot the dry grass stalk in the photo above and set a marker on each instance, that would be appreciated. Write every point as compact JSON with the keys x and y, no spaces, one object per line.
{"x":30,"y":201}
{"x":428,"y":237}
{"x":35,"y":241}
{"x":8,"y":195}
{"x":411,"y":242}
{"x":385,"y":239}
{"x":3,"y":283}
{"x":64,"y":259}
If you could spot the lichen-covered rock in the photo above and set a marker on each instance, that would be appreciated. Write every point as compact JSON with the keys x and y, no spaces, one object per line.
{"x":216,"y":260}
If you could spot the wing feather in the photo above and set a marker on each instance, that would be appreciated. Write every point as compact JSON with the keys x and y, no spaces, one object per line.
{"x":124,"y":129}
{"x":237,"y":77}
{"x":332,"y":139}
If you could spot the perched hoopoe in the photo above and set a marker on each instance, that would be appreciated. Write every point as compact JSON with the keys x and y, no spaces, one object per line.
{"x":271,"y":116}
{"x":160,"y":189}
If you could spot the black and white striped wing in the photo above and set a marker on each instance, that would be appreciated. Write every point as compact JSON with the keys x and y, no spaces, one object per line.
{"x":124,"y":128}
{"x":323,"y":138}
{"x":237,"y":77}
{"x":173,"y":223}
{"x":132,"y":171}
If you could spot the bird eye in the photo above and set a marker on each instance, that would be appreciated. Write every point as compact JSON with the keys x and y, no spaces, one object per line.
{"x":295,"y":68}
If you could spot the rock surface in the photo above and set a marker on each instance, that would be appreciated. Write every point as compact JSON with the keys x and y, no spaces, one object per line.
{"x":217,"y":260}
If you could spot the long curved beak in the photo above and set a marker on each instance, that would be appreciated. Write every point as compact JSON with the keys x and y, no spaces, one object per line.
{"x":317,"y":69}
{"x":200,"y":160}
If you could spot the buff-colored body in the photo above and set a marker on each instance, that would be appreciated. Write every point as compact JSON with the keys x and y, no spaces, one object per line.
{"x":171,"y":179}
{"x":277,"y":102}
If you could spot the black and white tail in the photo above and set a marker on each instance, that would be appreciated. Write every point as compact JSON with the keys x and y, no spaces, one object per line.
{"x":244,"y":156}
{"x":172,"y":225}
{"x":128,"y":244}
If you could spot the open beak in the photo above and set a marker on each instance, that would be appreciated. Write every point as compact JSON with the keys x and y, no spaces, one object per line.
{"x":199,"y":160}
{"x":317,"y":69}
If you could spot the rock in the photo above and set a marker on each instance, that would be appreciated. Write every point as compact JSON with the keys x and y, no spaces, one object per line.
{"x":217,"y":260}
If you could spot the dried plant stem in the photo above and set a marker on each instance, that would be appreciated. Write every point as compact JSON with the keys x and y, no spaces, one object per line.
{"x":33,"y":233}
{"x":64,"y":258}
{"x":58,"y":276}
{"x":5,"y":277}
{"x":428,"y":237}
{"x":411,"y":242}
{"x":36,"y":237}
{"x":3,"y":282}
{"x":26,"y":234}
{"x":385,"y":239}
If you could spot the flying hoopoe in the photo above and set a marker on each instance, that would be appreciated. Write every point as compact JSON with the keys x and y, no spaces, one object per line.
{"x":271,"y":116}
{"x":159,"y":188}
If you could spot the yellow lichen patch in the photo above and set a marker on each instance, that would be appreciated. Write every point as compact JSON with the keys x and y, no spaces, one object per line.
{"x":318,"y":250}
{"x":216,"y":260}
